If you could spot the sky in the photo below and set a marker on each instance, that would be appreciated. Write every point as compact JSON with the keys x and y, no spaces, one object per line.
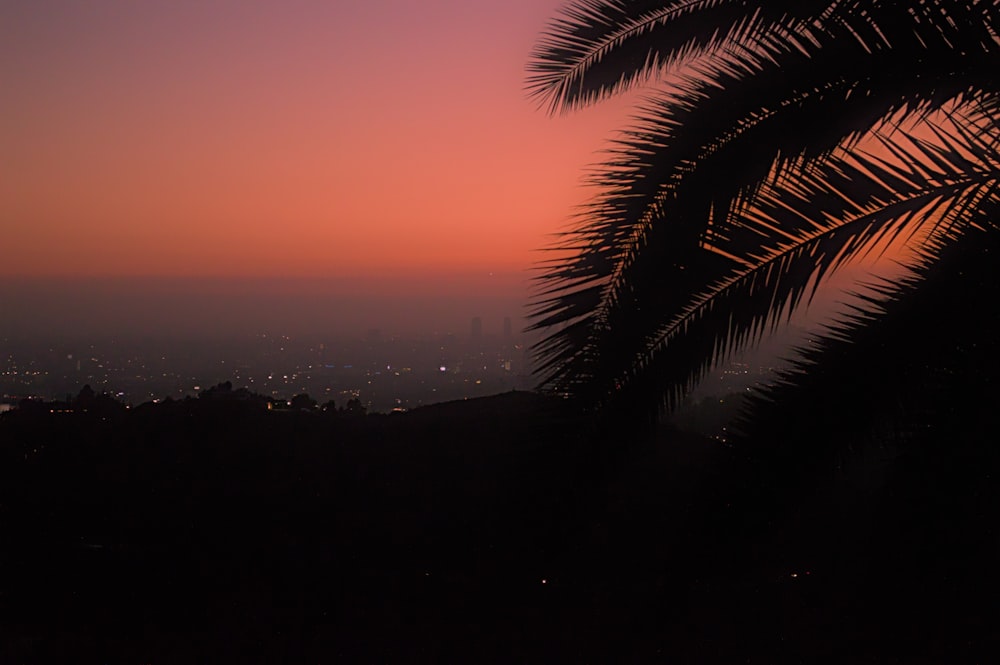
{"x":345,"y":139}
{"x":217,"y":163}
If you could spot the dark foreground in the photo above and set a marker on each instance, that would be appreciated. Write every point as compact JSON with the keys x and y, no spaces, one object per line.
{"x":492,"y":530}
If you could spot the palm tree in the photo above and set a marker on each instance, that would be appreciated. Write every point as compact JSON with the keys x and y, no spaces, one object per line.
{"x":781,"y":141}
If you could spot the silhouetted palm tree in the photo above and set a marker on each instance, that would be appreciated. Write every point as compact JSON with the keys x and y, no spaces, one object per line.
{"x":782,"y":139}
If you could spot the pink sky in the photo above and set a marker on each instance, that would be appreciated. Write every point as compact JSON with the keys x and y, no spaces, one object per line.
{"x":190,"y":138}
{"x":385,"y":149}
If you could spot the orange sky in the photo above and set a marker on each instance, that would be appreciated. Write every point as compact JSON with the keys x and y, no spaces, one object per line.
{"x":281,"y":139}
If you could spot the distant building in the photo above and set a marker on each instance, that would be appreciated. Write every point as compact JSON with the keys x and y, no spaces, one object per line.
{"x":477,"y":328}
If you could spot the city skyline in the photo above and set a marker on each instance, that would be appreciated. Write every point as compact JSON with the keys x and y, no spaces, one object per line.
{"x":384,"y":372}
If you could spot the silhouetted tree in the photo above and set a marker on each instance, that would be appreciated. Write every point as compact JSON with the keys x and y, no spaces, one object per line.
{"x":85,"y":398}
{"x":303,"y":402}
{"x":355,"y":407}
{"x":749,"y":177}
{"x":219,"y":390}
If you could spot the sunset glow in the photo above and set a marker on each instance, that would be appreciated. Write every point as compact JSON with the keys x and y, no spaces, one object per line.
{"x":266,"y":139}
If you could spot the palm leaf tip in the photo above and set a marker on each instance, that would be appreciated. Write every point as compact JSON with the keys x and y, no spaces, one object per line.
{"x":597,"y":48}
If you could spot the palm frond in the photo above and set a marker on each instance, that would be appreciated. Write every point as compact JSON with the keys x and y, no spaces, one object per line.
{"x":738,"y":310}
{"x":740,"y":187}
{"x":668,"y":176}
{"x":913,"y":358}
{"x":597,"y":48}
{"x":759,"y":262}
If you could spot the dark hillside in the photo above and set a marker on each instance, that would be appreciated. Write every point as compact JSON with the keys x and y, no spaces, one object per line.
{"x":480,"y":531}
